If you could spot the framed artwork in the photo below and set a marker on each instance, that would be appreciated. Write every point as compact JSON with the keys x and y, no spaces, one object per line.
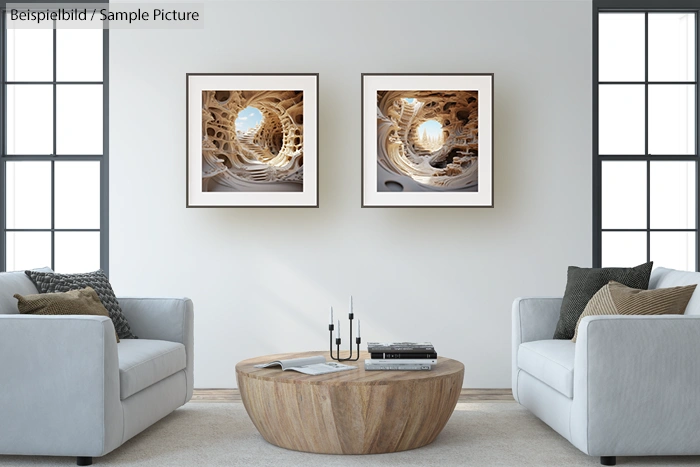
{"x":252,"y":140}
{"x":427,"y":140}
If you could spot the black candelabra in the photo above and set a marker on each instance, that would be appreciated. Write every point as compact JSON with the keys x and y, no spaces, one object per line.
{"x":331,"y":328}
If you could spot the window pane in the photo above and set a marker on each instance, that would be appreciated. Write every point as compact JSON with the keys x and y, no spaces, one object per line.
{"x":28,"y":201}
{"x":79,"y":54}
{"x":672,"y":195}
{"x":79,"y":119}
{"x":675,"y":250}
{"x":28,"y":250}
{"x":29,"y":54}
{"x":621,"y":47}
{"x":30,"y":119}
{"x":671,"y":119}
{"x":621,"y":119}
{"x":624,"y":249}
{"x":624,"y":195}
{"x":77,"y":195}
{"x":77,"y":252}
{"x":671,"y":47}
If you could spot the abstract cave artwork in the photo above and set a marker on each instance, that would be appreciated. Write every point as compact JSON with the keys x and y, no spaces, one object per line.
{"x":257,"y":140}
{"x":427,"y":140}
{"x":252,"y":140}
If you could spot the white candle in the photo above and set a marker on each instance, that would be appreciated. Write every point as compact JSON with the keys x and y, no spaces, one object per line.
{"x":337,"y":331}
{"x":350,"y":303}
{"x":358,"y":328}
{"x":331,"y":318}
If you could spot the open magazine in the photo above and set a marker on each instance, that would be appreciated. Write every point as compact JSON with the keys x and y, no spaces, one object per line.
{"x":309,"y":365}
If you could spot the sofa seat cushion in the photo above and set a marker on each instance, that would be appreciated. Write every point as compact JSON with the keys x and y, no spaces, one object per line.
{"x":144,"y":362}
{"x":550,"y":361}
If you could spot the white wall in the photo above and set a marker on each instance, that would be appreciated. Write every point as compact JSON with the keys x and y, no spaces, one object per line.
{"x":262,"y":279}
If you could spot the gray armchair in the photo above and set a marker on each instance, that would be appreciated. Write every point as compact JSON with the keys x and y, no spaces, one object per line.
{"x":68,"y":389}
{"x":629,"y":385}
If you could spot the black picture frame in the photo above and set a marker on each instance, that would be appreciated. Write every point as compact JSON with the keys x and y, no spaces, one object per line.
{"x":423,"y":82}
{"x":283,"y":82}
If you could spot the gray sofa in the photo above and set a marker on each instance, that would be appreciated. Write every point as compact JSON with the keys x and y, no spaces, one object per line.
{"x":629,"y":386}
{"x":68,"y":389}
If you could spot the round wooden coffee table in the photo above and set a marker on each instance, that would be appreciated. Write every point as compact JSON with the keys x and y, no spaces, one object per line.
{"x":351,"y":412}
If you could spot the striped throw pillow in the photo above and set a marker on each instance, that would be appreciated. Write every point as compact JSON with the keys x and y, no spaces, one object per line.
{"x":618,"y":299}
{"x":75,"y":302}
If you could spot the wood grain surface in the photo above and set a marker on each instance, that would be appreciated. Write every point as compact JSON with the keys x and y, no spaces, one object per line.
{"x":351,"y":412}
{"x":466,"y":396}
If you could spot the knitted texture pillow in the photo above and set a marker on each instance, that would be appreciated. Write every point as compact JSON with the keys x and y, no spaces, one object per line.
{"x":583,"y":283}
{"x":47,"y":282}
{"x":76,"y":302}
{"x":617,"y":299}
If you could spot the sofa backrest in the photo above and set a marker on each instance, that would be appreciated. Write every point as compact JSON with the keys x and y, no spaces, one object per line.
{"x":662,"y":278}
{"x":12,"y":283}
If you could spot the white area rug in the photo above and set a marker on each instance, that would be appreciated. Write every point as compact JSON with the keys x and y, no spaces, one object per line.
{"x":221,"y":434}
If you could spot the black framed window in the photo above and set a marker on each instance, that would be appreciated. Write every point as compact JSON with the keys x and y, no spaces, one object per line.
{"x":645,"y":133}
{"x":54,"y":148}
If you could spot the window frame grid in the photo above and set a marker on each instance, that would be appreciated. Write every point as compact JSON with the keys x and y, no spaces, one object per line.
{"x":103,"y":158}
{"x":646,"y":7}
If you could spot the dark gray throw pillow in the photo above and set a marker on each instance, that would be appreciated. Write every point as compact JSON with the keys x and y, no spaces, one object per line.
{"x":47,"y":282}
{"x":583,"y":283}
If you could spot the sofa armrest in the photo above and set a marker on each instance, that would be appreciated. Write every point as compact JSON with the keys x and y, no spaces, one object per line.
{"x":59,"y":386}
{"x":636,"y":385}
{"x":167,"y":319}
{"x":533,"y":319}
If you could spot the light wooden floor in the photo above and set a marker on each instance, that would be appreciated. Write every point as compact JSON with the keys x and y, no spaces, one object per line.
{"x":468,"y":395}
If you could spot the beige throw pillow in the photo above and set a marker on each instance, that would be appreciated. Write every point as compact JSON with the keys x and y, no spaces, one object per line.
{"x":76,"y":302}
{"x":618,"y":299}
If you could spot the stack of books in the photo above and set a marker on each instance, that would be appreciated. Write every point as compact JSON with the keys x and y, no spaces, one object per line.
{"x":401,"y":356}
